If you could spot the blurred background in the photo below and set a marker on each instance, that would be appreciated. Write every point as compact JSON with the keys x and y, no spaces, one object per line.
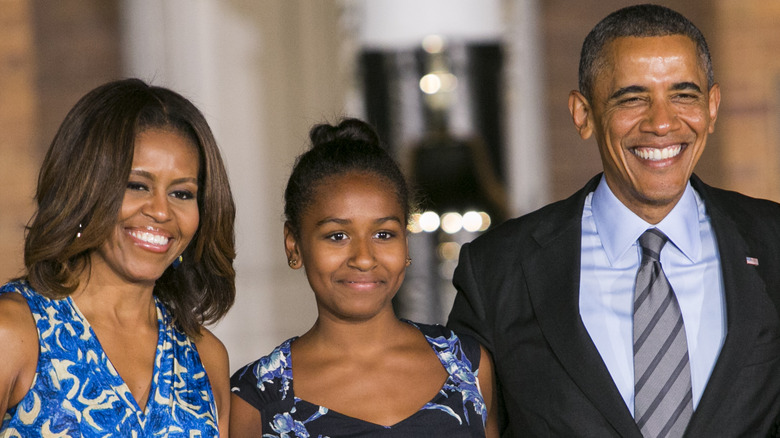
{"x":469,"y":95}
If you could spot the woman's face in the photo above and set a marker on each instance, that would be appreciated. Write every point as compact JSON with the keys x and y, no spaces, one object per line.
{"x":353,"y":245}
{"x":159,"y":214}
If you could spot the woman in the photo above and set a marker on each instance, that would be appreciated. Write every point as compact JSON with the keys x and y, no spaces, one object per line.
{"x":359,"y":371}
{"x":129,"y":254}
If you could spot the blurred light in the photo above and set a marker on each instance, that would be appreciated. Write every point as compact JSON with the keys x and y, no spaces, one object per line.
{"x":451,"y":222}
{"x":449,"y":250}
{"x":429,"y":221}
{"x":472,"y":221}
{"x":435,"y":82}
{"x":485,"y":221}
{"x":449,"y":82}
{"x":430,"y":83}
{"x":433,"y":44}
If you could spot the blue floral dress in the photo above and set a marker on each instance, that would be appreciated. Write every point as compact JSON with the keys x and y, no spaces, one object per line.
{"x":77,"y":392}
{"x":457,"y":410}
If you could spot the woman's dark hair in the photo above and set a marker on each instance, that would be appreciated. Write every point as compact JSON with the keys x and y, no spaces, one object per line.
{"x":637,"y":21}
{"x":81,"y":187}
{"x":350,"y":146}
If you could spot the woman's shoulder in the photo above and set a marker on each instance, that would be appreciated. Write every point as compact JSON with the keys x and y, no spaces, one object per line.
{"x":16,"y":319}
{"x":19,"y":338}
{"x":209,"y":345}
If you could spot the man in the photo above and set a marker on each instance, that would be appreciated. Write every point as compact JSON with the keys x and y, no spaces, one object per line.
{"x":552,"y":294}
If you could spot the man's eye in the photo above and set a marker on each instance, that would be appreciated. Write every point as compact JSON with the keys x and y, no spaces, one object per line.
{"x":630,"y":100}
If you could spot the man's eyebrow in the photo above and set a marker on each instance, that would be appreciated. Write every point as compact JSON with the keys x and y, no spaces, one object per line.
{"x":627,"y":90}
{"x":681,"y":86}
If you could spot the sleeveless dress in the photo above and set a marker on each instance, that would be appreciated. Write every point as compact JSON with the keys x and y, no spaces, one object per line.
{"x":77,"y":392}
{"x":457,"y":410}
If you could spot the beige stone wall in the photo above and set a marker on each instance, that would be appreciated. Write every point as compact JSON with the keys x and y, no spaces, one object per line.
{"x":51,"y":53}
{"x":18,"y":118}
{"x":748,"y":54}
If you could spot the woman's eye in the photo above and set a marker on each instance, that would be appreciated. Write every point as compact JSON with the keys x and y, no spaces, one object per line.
{"x":183,"y":194}
{"x":132,"y":185}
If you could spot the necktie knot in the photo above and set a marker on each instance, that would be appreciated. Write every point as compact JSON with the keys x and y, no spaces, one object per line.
{"x":652,"y":241}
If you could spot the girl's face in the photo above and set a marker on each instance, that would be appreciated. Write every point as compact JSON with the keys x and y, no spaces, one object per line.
{"x":353,"y":244}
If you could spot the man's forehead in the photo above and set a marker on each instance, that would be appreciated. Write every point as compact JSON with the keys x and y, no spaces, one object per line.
{"x":626,"y":50}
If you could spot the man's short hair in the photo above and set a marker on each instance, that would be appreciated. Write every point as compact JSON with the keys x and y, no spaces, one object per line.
{"x":637,"y":21}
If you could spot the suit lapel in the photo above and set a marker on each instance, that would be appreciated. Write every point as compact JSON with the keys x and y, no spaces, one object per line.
{"x":740,"y":283}
{"x":554,"y":290}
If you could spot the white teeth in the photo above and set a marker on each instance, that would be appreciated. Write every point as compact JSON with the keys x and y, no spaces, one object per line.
{"x":657,"y":154}
{"x":154,"y":239}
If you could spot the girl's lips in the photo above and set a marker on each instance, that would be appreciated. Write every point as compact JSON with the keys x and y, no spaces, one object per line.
{"x":361,"y":285}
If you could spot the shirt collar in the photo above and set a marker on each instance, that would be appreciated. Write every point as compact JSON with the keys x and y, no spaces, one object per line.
{"x":619,"y":228}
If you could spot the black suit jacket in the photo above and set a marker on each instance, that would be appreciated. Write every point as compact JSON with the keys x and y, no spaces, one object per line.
{"x":518,"y":292}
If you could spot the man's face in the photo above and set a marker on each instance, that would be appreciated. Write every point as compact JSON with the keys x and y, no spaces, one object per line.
{"x":651,"y":113}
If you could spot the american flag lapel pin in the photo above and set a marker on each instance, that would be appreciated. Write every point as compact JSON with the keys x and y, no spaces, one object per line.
{"x":751,"y":261}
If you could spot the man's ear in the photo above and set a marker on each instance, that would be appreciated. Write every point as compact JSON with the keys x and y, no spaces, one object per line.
{"x":291,"y":247}
{"x":714,"y":102}
{"x":579,"y":107}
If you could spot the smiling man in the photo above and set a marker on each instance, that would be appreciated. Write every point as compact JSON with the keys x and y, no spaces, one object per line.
{"x":648,"y":303}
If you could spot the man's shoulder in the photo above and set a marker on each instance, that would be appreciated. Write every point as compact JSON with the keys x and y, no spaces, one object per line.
{"x":743,"y":209}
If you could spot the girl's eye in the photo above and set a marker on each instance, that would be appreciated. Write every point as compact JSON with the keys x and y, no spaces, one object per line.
{"x":337,"y":236}
{"x":384,"y":235}
{"x":183,"y":195}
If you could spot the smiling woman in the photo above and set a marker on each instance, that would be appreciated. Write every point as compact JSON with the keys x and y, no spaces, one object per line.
{"x":359,"y":370}
{"x":128,"y":255}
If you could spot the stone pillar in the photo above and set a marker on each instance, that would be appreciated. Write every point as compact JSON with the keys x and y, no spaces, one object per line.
{"x":18,"y":117}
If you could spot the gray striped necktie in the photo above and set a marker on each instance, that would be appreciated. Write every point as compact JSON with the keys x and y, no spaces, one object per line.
{"x":662,"y":376}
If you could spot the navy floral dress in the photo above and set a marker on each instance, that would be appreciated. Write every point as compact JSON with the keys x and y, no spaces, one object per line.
{"x":77,"y":392}
{"x":457,"y":410}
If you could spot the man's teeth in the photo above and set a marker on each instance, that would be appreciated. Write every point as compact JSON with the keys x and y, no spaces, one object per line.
{"x":657,"y":154}
{"x":154,"y":239}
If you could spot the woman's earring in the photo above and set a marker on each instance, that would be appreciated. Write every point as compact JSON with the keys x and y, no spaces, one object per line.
{"x":293,"y":263}
{"x":408,"y":261}
{"x":177,"y":262}
{"x":78,"y":232}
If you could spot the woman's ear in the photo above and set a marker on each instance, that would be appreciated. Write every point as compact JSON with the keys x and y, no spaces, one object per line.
{"x":291,"y":247}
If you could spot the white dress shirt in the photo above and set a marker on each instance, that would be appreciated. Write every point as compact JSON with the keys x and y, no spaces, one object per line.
{"x":610,"y":260}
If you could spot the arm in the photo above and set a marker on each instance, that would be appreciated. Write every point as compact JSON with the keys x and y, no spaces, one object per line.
{"x":245,"y":420}
{"x":215,"y":361}
{"x":468,"y":314}
{"x":488,"y":388}
{"x":19,"y":338}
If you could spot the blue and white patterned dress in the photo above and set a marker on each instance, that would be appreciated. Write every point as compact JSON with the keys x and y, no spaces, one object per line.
{"x":457,"y":410}
{"x":77,"y":392}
